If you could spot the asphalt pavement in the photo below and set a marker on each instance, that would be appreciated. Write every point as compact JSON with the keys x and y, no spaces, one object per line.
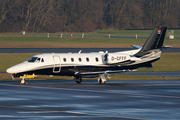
{"x":66,"y":100}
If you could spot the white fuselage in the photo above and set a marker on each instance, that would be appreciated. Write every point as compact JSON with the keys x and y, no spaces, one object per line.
{"x":71,"y":63}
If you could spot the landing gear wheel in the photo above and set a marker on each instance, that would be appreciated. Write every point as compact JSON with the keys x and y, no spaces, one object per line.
{"x":101,"y":82}
{"x":102,"y":79}
{"x":22,"y":82}
{"x":78,"y":80}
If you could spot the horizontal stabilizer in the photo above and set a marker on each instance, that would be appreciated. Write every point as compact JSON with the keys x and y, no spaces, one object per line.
{"x":136,"y":46}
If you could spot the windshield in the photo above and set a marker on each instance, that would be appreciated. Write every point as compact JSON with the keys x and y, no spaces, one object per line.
{"x":35,"y":59}
{"x":32,"y":59}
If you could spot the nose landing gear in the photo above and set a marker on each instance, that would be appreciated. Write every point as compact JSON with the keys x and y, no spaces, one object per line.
{"x":23,"y":81}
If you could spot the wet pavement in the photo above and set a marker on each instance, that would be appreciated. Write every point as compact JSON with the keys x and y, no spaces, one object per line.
{"x":66,"y":100}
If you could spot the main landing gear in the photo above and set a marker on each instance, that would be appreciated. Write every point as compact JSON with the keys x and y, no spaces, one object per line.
{"x":101,"y":79}
{"x":78,"y":79}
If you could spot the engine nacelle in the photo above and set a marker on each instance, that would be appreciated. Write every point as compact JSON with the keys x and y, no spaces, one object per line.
{"x":106,"y":58}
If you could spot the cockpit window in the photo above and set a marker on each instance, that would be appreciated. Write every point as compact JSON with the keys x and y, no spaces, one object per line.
{"x":38,"y":60}
{"x":35,"y":59}
{"x":32,"y":59}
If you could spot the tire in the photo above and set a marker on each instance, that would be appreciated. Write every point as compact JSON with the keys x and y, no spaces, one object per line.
{"x":78,"y":80}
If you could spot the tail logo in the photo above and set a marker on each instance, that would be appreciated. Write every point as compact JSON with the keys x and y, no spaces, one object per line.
{"x":159,"y":31}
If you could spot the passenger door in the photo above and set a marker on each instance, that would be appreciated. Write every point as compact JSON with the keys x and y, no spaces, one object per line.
{"x":57,"y":64}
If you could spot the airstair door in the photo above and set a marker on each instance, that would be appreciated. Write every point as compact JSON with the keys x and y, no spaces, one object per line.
{"x":57,"y":64}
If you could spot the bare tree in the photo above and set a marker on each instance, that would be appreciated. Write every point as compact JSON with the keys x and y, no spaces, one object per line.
{"x":86,"y":15}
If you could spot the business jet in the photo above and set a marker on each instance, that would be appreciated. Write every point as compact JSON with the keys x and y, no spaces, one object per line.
{"x":100,"y":64}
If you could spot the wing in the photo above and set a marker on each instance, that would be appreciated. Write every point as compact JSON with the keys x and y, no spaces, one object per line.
{"x":96,"y":74}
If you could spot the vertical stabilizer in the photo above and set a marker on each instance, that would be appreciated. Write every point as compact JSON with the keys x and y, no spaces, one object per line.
{"x":155,"y":41}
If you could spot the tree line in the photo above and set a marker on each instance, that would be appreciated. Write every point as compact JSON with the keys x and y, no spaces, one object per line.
{"x":86,"y":15}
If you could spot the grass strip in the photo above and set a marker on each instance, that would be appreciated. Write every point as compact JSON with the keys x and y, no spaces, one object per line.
{"x":40,"y":40}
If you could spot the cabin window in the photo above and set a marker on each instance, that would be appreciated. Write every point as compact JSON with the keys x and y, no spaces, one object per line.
{"x":87,"y":59}
{"x":72,"y":59}
{"x":64,"y":59}
{"x":97,"y":59}
{"x":42,"y":60}
{"x":80,"y":59}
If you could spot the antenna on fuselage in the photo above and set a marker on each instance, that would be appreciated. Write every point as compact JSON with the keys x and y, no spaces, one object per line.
{"x":79,"y":51}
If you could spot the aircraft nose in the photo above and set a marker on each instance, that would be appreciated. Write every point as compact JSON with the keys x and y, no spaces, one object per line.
{"x":17,"y":68}
{"x":10,"y":70}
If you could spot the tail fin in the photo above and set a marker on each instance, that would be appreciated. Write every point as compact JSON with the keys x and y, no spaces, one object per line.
{"x":155,"y":41}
